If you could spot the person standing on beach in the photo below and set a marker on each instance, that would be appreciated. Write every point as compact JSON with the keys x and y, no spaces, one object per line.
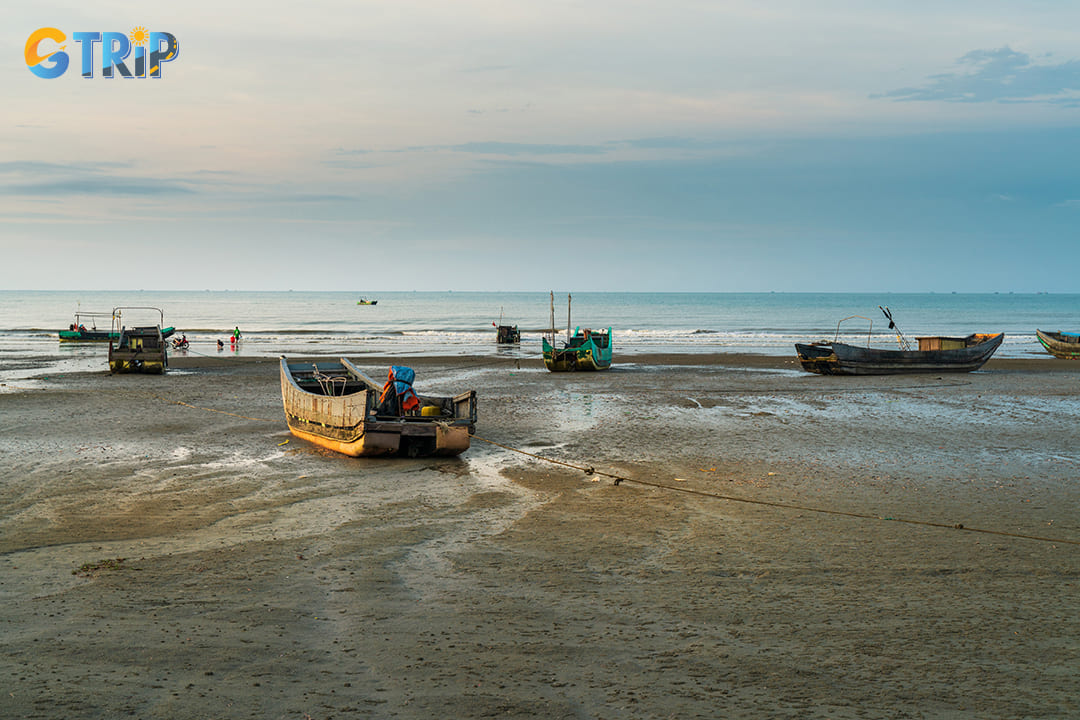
{"x":236,"y":334}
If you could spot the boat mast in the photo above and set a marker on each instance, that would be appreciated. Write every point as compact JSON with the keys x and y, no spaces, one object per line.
{"x":552,"y":325}
{"x":567,"y":317}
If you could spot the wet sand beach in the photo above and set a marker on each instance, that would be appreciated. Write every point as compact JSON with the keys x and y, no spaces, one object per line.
{"x":783,"y":545}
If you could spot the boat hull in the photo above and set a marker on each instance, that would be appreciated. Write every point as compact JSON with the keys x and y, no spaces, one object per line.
{"x":87,"y":336}
{"x":351,"y":423}
{"x":842,"y":359}
{"x":1065,"y":346}
{"x":100,"y":335}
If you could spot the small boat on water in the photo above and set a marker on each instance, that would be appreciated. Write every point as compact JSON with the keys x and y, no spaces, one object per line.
{"x":363,"y":301}
{"x":138,"y":349}
{"x":78,"y":332}
{"x":935,"y":354}
{"x":338,"y":407}
{"x":506,"y":334}
{"x":1062,"y":345}
{"x":584,"y":350}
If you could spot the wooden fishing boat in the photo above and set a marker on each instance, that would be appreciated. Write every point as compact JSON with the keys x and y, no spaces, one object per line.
{"x":78,"y":332}
{"x":362,"y":301}
{"x":336,"y":406}
{"x":584,"y":350}
{"x":935,"y":354}
{"x":507,"y":334}
{"x":1060,"y":344}
{"x":138,"y":349}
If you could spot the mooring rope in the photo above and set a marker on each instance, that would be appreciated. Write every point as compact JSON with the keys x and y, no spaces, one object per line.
{"x":588,"y":470}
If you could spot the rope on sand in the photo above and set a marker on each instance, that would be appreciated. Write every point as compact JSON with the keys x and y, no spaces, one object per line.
{"x":588,"y":470}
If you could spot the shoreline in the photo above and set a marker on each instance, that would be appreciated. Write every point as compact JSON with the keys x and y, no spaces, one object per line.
{"x":735,"y":360}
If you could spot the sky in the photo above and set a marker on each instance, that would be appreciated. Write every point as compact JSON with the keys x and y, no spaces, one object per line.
{"x":607,"y":145}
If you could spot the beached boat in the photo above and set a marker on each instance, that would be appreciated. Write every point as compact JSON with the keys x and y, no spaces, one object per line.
{"x":584,"y":350}
{"x":1060,"y":344}
{"x":362,"y":301}
{"x":138,"y":349}
{"x":336,"y":406}
{"x":935,"y":353}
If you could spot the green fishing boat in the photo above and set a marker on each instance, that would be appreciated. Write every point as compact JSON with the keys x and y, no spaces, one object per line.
{"x":584,"y":350}
{"x":78,"y":332}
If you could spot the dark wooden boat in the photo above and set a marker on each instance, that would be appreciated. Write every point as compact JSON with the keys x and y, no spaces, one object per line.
{"x":362,"y":301}
{"x":1062,"y":345}
{"x":507,"y":334}
{"x":138,"y":349}
{"x":336,"y":406}
{"x":935,"y":355}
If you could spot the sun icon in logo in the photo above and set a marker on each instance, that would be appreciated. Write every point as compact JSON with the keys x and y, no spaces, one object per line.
{"x":139,"y":36}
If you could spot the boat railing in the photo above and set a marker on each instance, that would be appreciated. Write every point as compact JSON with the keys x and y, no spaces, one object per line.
{"x":869,"y":332}
{"x":93,"y":318}
{"x":118,"y":315}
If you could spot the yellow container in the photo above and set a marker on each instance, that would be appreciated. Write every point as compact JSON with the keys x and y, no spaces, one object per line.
{"x":430,"y":411}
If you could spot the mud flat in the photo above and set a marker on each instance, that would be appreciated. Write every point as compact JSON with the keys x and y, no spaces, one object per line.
{"x":782,"y":545}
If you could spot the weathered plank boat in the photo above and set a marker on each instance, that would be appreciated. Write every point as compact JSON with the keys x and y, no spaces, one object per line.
{"x":584,"y":350}
{"x":1060,"y":344}
{"x":139,"y":349}
{"x":507,"y":334}
{"x":935,"y":354}
{"x":363,"y":301}
{"x":336,"y":406}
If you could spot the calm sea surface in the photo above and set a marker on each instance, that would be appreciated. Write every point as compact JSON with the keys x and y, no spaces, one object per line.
{"x":452,"y":323}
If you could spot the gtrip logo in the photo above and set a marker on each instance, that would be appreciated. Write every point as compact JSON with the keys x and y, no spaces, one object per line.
{"x":115,"y":49}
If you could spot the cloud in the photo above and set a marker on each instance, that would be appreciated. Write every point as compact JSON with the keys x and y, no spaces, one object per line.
{"x":1001,"y":75}
{"x":33,"y":167}
{"x":509,"y":148}
{"x":101,"y":186}
{"x":102,"y":178}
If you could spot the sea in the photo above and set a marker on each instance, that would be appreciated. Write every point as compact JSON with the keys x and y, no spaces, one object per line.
{"x":409,"y":324}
